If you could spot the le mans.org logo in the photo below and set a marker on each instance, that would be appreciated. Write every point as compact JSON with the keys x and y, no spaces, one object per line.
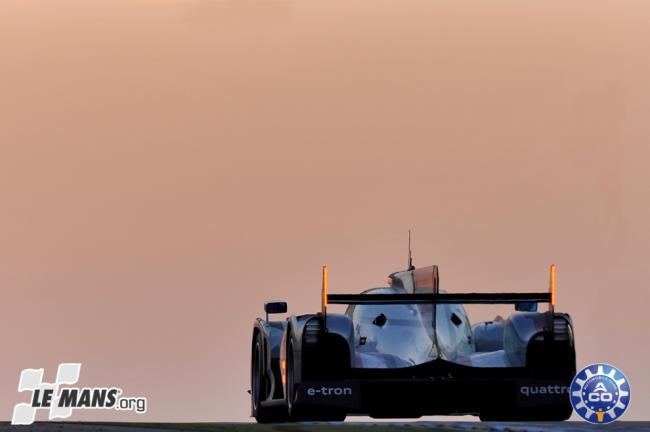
{"x":61,"y":401}
{"x":600,"y":393}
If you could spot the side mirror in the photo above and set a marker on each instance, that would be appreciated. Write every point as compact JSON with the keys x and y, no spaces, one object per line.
{"x":526,"y":307}
{"x":276,"y":307}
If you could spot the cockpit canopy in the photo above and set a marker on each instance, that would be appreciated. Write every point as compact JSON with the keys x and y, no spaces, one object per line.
{"x":402,"y":335}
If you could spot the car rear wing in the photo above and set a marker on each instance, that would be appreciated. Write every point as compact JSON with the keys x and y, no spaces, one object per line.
{"x":433,"y":298}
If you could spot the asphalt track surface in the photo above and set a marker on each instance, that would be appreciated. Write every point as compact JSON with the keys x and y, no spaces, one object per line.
{"x":326,"y":427}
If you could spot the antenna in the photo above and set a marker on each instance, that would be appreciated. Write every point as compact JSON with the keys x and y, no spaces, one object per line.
{"x":410,"y":254}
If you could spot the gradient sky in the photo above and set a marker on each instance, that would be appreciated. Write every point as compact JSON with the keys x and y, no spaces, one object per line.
{"x":167,"y":166}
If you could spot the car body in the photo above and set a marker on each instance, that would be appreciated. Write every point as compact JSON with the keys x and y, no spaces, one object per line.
{"x":408,"y":350}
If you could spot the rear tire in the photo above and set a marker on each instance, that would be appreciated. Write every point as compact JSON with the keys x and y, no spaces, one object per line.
{"x":260,"y":388}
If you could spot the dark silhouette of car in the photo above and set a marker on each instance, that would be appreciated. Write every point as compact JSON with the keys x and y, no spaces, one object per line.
{"x":407,"y":350}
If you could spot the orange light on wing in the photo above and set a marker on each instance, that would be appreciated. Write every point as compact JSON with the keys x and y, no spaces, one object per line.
{"x":324,"y":293}
{"x":552,"y":285}
{"x":284,"y":371}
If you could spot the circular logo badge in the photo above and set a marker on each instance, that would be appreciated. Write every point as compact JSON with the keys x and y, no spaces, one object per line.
{"x":600,"y":393}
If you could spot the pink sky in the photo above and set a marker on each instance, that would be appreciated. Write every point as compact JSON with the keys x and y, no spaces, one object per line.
{"x":167,"y":166}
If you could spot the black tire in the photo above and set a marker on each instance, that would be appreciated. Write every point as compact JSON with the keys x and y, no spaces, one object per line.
{"x":300,"y":412}
{"x":293,"y":410}
{"x":260,"y":388}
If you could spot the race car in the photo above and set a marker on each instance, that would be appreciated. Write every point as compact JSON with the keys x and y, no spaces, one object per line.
{"x":407,"y":350}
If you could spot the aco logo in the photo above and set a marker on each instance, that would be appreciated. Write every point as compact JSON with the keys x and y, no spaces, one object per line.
{"x":600,"y":393}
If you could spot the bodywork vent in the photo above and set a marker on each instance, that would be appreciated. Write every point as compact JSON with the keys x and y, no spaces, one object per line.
{"x":561,"y":329}
{"x":311,"y":331}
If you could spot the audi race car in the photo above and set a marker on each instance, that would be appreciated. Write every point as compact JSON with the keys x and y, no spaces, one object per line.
{"x":409,"y":349}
